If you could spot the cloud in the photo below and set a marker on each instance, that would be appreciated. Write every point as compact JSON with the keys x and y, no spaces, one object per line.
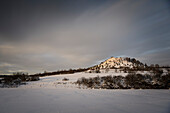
{"x":73,"y":39}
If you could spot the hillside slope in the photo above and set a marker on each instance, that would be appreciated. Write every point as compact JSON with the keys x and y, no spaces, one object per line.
{"x":119,"y":62}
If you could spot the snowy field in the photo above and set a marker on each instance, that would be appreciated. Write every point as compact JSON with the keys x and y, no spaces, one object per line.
{"x":56,"y":81}
{"x":52,"y":95}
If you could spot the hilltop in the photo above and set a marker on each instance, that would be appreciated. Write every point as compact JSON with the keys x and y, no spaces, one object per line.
{"x":119,"y":62}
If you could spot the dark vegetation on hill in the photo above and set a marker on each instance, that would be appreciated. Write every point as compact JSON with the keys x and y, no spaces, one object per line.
{"x":70,"y":71}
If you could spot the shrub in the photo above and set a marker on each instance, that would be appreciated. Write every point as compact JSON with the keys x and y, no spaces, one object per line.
{"x":132,"y":80}
{"x":65,"y":79}
{"x":17,"y":79}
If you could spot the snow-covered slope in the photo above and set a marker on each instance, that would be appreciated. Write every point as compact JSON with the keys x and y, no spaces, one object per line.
{"x":119,"y":62}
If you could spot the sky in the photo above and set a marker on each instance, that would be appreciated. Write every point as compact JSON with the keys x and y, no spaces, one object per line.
{"x":50,"y":35}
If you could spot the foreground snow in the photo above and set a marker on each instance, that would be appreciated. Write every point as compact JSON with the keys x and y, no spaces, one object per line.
{"x":52,"y":95}
{"x":83,"y":101}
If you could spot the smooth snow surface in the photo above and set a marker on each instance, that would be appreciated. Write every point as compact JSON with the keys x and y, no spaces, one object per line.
{"x":84,"y":101}
{"x":47,"y":96}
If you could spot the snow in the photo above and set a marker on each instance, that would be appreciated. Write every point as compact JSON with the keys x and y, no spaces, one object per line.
{"x":62,"y":100}
{"x":52,"y":95}
{"x":115,"y":62}
{"x":57,"y":80}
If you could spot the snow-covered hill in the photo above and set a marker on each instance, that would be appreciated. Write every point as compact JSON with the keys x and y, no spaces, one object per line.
{"x":118,"y":62}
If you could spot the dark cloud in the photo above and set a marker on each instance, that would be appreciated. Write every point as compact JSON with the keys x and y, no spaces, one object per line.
{"x":51,"y":35}
{"x":22,"y":17}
